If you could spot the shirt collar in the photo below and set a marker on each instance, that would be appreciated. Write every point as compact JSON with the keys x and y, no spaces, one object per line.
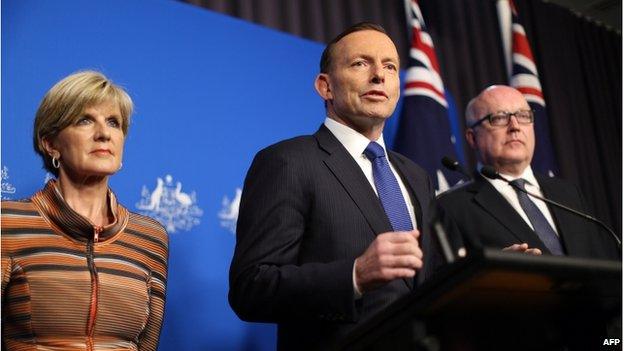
{"x":354,"y":142}
{"x":527,"y":175}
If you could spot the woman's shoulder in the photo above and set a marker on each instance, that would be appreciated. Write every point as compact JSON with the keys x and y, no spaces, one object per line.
{"x":147,"y":226}
{"x":19,"y":207}
{"x":22,"y":225}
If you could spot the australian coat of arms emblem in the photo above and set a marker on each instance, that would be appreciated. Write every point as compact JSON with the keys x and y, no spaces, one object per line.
{"x":168,"y":204}
{"x":7,"y":189}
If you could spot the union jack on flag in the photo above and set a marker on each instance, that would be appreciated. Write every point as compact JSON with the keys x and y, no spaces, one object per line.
{"x":424,"y":132}
{"x":523,"y":76}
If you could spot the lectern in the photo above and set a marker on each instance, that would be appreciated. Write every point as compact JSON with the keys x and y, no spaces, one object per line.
{"x":495,"y":300}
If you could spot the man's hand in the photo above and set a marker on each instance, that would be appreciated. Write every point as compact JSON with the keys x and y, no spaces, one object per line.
{"x":391,"y":256}
{"x":524,"y":247}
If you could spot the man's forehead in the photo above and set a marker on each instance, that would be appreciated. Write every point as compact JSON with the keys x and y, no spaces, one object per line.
{"x":367,"y":43}
{"x":503,"y":100}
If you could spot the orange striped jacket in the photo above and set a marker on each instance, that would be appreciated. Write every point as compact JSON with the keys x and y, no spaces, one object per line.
{"x":67,"y":285}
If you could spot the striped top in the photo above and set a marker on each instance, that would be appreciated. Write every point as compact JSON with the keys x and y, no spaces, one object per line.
{"x":69,"y":285}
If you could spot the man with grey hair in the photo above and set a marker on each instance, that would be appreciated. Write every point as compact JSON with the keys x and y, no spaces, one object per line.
{"x":493,"y":213}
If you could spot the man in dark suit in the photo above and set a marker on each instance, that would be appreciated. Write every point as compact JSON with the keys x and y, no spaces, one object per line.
{"x":329,"y":232}
{"x":492,"y":213}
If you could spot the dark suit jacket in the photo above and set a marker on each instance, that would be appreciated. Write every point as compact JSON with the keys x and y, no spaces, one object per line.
{"x":307,"y":211}
{"x":478,"y":215}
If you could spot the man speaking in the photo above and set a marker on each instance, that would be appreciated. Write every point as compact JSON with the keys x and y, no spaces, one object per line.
{"x":331,"y":226}
{"x":494,"y":213}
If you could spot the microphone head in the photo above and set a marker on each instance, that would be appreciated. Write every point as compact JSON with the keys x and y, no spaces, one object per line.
{"x":490,"y":172}
{"x":450,"y":163}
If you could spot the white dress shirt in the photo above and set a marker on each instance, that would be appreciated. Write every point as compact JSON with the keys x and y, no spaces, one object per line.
{"x":356,"y":143}
{"x":532,"y":186}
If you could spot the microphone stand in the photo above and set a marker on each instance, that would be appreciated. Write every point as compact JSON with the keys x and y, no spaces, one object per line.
{"x":491,"y":173}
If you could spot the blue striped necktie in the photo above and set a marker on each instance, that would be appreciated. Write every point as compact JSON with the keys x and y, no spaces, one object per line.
{"x":542,"y":228}
{"x":388,"y":189}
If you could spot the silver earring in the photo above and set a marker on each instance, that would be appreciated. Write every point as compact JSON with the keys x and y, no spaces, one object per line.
{"x":55,"y":162}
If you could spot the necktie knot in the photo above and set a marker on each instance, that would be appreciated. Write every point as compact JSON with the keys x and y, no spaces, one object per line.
{"x":519,"y":183}
{"x":373,"y":151}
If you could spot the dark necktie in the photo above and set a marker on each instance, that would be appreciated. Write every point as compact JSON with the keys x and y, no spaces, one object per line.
{"x":541,"y":226}
{"x":388,"y":189}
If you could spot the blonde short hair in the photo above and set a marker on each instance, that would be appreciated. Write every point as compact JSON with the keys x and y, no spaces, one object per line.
{"x":66,"y":101}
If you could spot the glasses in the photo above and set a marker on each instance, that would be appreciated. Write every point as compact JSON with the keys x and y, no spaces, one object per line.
{"x":502,"y":119}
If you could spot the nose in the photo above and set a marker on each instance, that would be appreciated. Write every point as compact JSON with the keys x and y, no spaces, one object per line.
{"x":102,"y":132}
{"x":513,"y":123}
{"x":378,"y":75}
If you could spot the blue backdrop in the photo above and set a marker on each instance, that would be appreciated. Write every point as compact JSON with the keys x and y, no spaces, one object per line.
{"x":209,"y":92}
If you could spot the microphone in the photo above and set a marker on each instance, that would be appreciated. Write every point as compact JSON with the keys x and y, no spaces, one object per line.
{"x":490,"y":172}
{"x":441,"y":234}
{"x":453,"y":165}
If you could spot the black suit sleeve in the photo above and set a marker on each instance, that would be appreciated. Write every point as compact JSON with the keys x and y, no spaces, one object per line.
{"x":267,"y":283}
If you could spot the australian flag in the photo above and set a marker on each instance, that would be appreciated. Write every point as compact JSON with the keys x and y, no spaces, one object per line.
{"x":424,"y":133}
{"x":524,"y":77}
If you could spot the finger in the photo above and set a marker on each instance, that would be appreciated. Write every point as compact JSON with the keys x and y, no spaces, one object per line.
{"x":513,"y":247}
{"x":415,"y":233}
{"x":402,"y":261}
{"x":388,"y":274}
{"x":535,"y":252}
{"x":517,"y":247}
{"x":400,"y":237}
{"x":409,"y":248}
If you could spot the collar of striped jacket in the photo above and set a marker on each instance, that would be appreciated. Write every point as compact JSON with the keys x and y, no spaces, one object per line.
{"x":54,"y":208}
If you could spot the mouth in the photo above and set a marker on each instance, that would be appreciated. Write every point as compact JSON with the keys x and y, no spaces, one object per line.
{"x":101,"y":152}
{"x":375,"y":94}
{"x":514,"y":141}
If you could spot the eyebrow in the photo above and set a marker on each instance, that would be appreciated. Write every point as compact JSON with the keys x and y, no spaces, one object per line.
{"x":87,"y":114}
{"x":371,"y":58}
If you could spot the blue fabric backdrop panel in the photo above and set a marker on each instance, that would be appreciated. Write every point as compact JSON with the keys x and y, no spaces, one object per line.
{"x":209,"y":92}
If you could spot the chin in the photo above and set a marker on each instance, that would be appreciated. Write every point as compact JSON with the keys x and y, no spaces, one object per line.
{"x":378,"y":114}
{"x":517,"y":155}
{"x":101,"y":172}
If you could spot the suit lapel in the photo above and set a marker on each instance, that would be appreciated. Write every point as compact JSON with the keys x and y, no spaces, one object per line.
{"x":350,"y":175}
{"x":413,"y":184}
{"x":496,"y":205}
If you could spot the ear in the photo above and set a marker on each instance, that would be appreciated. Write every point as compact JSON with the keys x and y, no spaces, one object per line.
{"x":470,"y":137}
{"x":49,"y":148}
{"x":322,"y":86}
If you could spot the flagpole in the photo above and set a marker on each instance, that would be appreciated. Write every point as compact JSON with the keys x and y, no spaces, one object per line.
{"x":504,"y":20}
{"x":408,"y":19}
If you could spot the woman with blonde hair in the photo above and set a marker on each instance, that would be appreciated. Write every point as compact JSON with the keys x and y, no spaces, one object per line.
{"x":79,"y":271}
